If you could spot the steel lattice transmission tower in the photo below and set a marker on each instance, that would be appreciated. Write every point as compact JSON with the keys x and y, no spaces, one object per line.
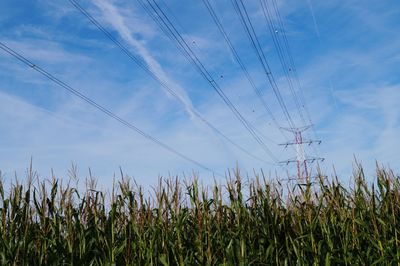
{"x":301,"y":158}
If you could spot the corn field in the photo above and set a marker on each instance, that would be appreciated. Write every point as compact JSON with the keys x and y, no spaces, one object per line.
{"x":242,"y":222}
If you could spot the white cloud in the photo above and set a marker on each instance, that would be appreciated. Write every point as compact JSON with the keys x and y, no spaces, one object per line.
{"x":113,"y":16}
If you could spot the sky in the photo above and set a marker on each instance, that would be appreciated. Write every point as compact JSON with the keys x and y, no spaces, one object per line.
{"x":346,"y":55}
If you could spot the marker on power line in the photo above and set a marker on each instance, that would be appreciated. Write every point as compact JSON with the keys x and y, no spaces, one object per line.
{"x":301,"y":159}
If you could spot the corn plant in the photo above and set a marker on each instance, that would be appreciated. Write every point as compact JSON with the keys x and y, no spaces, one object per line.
{"x":242,"y":222}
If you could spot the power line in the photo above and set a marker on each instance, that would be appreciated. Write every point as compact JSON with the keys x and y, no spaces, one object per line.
{"x":100,"y":107}
{"x":170,"y":30}
{"x":240,"y":62}
{"x":279,"y":37}
{"x":291,"y":61}
{"x":286,"y":48}
{"x":281,"y":55}
{"x":246,"y":22}
{"x":251,"y":34}
{"x":155,"y":77}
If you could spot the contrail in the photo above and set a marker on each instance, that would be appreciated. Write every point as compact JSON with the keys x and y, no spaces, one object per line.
{"x":314,"y":19}
{"x":331,"y":88}
{"x":150,"y":65}
{"x":113,"y":17}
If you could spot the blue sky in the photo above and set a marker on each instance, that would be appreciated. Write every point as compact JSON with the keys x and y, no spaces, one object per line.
{"x":347,"y":57}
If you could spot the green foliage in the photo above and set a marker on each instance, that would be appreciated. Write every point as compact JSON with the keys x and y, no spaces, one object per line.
{"x":182,"y":223}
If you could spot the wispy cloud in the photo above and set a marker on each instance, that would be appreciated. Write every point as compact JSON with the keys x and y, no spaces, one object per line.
{"x":117,"y":20}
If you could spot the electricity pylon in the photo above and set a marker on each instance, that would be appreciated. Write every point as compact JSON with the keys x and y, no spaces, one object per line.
{"x":301,"y":158}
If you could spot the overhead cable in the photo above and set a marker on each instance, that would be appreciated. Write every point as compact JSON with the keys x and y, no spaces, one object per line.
{"x":241,"y":64}
{"x":241,"y":11}
{"x":101,"y":108}
{"x":164,"y":84}
{"x":170,"y":30}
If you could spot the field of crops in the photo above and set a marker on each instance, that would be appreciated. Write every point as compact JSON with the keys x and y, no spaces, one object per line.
{"x":242,"y":222}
